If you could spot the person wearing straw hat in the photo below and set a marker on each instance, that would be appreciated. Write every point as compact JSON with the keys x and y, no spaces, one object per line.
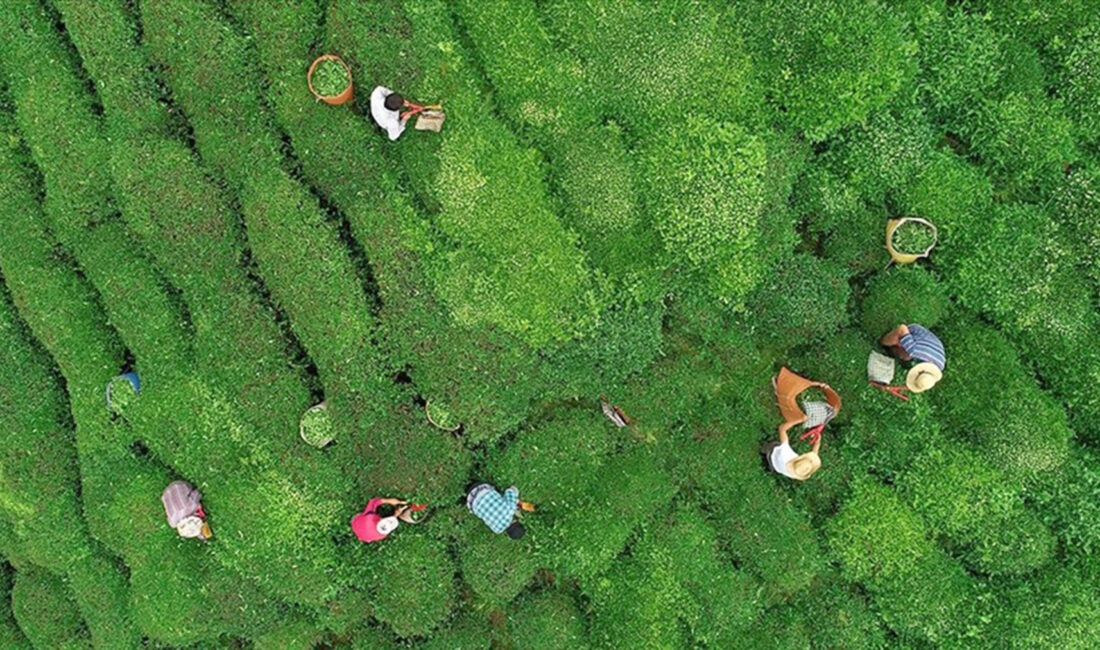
{"x":913,"y":342}
{"x":372,"y":525}
{"x":183,"y":509}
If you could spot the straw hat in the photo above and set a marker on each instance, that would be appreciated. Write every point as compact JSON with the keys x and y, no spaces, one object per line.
{"x":923,"y":376}
{"x":804,"y":466}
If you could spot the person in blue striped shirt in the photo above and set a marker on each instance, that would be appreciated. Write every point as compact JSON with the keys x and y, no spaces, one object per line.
{"x":913,"y":342}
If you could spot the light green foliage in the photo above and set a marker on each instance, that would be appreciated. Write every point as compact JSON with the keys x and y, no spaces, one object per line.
{"x":970,"y":499}
{"x":704,"y":186}
{"x":661,"y":203}
{"x":802,"y":52}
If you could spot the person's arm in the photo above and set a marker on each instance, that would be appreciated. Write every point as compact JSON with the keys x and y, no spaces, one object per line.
{"x":783,"y":438}
{"x":893,"y":337}
{"x":392,"y":502}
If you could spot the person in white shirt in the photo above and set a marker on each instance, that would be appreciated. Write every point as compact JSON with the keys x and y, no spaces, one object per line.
{"x":784,"y":459}
{"x":385,"y":108}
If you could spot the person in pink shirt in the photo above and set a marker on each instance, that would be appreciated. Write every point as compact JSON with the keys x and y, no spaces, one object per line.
{"x":371,"y":526}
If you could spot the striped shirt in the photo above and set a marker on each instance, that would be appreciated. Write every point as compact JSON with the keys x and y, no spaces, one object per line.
{"x":496,"y":510}
{"x":923,"y":345}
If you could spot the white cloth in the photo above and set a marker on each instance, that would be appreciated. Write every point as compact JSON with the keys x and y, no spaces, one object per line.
{"x":389,"y":120}
{"x":780,"y":456}
{"x":190,"y":527}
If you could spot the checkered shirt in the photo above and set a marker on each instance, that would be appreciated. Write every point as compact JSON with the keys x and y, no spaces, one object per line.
{"x":817,"y":413}
{"x":496,"y":510}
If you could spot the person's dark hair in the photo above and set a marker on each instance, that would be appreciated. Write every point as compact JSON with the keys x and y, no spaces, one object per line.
{"x":394,"y":102}
{"x":516,"y":530}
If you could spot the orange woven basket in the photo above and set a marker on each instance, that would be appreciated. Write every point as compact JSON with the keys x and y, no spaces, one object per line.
{"x":334,"y":100}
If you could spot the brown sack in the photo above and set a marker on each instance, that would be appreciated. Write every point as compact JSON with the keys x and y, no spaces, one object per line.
{"x":788,"y":385}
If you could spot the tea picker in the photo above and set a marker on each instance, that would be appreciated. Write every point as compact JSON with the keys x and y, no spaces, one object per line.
{"x":382,"y":516}
{"x":811,"y":415}
{"x":183,"y":508}
{"x":391,"y":111}
{"x":910,"y":342}
{"x":498,"y":511}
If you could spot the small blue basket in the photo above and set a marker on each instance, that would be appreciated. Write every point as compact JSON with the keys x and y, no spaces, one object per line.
{"x":131,"y":377}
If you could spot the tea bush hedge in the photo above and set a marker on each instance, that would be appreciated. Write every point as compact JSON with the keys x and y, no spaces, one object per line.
{"x":658,"y":205}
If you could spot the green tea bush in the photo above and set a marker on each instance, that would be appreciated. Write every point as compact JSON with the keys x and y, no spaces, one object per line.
{"x":10,"y":634}
{"x":494,"y":567}
{"x":635,"y":606}
{"x":1066,"y":501}
{"x":414,"y":591}
{"x":961,"y":61}
{"x":909,"y":294}
{"x":546,"y":620}
{"x":649,"y":66}
{"x":704,"y":187}
{"x":802,"y":54}
{"x":968,"y":498}
{"x":298,"y":250}
{"x":1079,"y":84}
{"x":46,"y":612}
{"x":469,"y":631}
{"x":805,"y":299}
{"x":882,"y":154}
{"x":1056,"y":610}
{"x":595,"y":527}
{"x":1024,"y":428}
{"x":848,"y":230}
{"x":720,"y":601}
{"x":916,"y":588}
{"x":1025,"y":140}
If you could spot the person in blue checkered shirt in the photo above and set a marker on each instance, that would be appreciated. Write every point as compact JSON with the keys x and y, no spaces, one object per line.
{"x":497,"y":510}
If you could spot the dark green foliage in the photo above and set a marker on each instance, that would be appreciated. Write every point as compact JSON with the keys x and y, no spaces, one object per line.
{"x":805,"y":299}
{"x":10,"y":634}
{"x":546,"y":621}
{"x":46,"y":612}
{"x":905,"y":294}
{"x":802,"y":52}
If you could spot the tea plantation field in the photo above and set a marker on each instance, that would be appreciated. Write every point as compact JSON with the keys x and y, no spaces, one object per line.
{"x":660,"y":202}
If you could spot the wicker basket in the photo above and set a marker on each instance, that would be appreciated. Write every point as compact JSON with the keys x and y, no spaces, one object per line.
{"x":908,"y":258}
